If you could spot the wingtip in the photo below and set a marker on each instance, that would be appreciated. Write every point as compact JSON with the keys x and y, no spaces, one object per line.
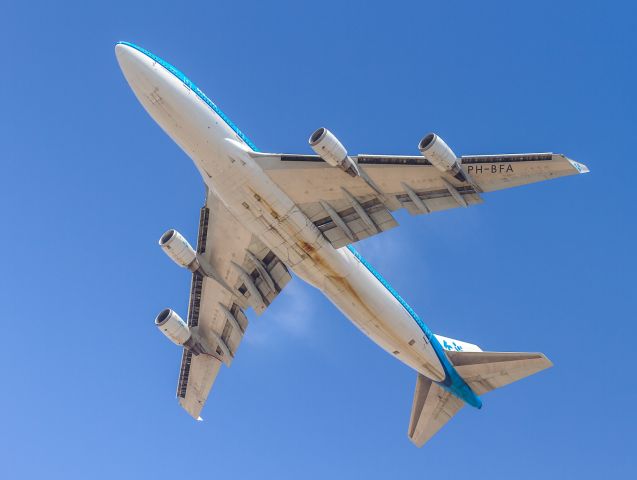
{"x":545,"y":362}
{"x":580,"y":167}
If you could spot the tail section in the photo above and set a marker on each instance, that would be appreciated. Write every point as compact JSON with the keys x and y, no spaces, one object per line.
{"x":434,"y":406}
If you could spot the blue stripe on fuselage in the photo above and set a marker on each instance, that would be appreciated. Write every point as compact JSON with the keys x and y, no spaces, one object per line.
{"x":453,"y":382}
{"x":186,"y":81}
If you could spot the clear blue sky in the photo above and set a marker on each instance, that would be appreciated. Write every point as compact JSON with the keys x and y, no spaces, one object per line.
{"x":89,"y":183}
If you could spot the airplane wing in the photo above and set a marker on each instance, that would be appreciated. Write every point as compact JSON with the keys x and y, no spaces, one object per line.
{"x":248,"y":274}
{"x":346,"y":208}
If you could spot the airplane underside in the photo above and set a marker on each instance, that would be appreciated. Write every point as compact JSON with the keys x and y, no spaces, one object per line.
{"x":267,"y":214}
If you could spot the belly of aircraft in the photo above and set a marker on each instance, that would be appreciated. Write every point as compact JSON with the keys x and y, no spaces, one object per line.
{"x":375,"y":311}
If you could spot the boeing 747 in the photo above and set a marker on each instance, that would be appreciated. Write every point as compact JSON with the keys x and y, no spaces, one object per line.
{"x":269,"y":214}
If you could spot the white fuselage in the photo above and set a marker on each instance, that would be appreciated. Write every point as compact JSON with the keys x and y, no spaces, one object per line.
{"x":231,"y":171}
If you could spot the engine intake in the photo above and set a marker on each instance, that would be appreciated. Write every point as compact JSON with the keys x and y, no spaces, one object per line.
{"x":172,"y":325}
{"x":438,"y":153}
{"x":327,"y":146}
{"x":179,"y":250}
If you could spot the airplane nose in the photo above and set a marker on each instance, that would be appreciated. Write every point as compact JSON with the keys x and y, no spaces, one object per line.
{"x":132,"y":62}
{"x":163,"y":92}
{"x":121,"y":52}
{"x":152,"y":83}
{"x":120,"y":49}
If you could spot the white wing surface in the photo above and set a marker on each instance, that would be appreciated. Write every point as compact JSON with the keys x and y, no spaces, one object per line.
{"x":248,"y":274}
{"x":347,"y":209}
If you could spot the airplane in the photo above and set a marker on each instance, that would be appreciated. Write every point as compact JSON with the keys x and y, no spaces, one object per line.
{"x":269,"y":214}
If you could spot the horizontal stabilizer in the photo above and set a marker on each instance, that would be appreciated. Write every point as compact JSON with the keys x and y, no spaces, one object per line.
{"x":486,"y":371}
{"x":432,"y":408}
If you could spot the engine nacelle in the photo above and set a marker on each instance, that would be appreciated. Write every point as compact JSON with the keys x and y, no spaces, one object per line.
{"x":327,"y":146}
{"x":173,"y":326}
{"x":179,"y":250}
{"x":436,"y":151}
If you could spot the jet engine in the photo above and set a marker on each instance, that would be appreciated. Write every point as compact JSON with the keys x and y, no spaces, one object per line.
{"x":173,"y":326}
{"x":327,"y":146}
{"x":436,"y":151}
{"x":179,"y":250}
